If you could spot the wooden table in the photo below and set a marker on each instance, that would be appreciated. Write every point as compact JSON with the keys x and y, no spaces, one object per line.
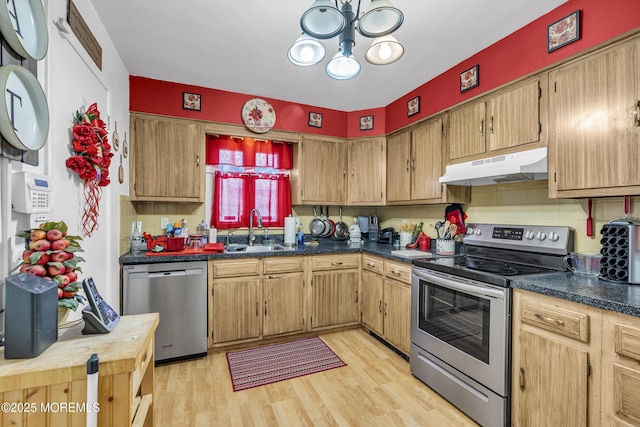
{"x":51,"y":389}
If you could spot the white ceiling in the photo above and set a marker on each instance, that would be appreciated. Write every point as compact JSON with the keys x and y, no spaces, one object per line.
{"x":241,"y":45}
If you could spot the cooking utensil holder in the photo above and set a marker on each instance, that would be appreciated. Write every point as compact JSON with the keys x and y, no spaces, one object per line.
{"x":445,"y":246}
{"x":620,"y":251}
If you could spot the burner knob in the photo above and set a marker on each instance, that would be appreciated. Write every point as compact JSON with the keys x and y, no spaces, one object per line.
{"x":554,"y":236}
{"x":529,"y":235}
{"x":470,"y":230}
{"x":541,"y":235}
{"x":478,"y":231}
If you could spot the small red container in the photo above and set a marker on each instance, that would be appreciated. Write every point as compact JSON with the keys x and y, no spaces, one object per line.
{"x":176,"y":243}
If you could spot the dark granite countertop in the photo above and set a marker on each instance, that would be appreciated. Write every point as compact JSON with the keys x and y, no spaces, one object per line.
{"x":586,"y":290}
{"x":324,"y":248}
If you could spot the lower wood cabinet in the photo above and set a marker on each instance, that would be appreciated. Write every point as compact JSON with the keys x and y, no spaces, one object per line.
{"x":556,"y":362}
{"x":621,"y":370}
{"x":283,"y":296}
{"x":386,"y":300}
{"x":251,"y":299}
{"x":335,"y":299}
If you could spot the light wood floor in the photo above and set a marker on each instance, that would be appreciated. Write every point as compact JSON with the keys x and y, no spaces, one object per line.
{"x":376,"y":388}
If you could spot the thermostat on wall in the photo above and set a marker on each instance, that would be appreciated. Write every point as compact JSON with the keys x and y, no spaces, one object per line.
{"x":31,"y":193}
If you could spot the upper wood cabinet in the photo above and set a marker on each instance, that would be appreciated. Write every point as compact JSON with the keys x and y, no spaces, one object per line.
{"x":594,"y":124}
{"x":321,"y":172}
{"x":415,"y":164}
{"x":167,"y":160}
{"x":367,"y":172}
{"x":503,"y":122}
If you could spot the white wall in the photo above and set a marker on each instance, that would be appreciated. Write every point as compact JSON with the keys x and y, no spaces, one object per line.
{"x":71,"y":82}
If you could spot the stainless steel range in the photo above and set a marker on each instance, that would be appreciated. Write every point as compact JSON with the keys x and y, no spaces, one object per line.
{"x":461,"y":313}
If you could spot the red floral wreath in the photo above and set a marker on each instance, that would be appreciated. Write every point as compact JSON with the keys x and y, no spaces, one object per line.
{"x":90,"y":160}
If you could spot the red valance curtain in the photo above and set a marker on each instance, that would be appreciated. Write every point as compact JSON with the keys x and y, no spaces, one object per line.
{"x":248,"y":152}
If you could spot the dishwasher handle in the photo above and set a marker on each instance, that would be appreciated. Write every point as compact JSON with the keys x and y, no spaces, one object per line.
{"x":174,"y":273}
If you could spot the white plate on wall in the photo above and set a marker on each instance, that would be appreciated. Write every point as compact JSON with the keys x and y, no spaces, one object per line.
{"x":24,"y":26}
{"x":24,"y":114}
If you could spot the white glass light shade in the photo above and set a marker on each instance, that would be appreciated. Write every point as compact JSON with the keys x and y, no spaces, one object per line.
{"x":343,"y":67}
{"x":380,"y":19}
{"x":384,"y":50}
{"x":306,"y":51}
{"x":322,"y":20}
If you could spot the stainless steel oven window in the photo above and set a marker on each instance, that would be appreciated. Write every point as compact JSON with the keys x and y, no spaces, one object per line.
{"x":455,"y":317}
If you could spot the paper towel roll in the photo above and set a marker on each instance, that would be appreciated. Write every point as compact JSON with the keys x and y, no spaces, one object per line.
{"x":290,"y":230}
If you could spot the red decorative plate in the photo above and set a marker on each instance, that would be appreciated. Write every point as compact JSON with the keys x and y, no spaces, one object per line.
{"x":258,"y":115}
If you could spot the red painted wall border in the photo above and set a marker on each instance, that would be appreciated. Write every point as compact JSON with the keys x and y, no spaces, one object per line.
{"x":517,"y":55}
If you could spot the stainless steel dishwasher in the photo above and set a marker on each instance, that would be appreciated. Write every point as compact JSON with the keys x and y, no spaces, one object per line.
{"x":178,"y":291}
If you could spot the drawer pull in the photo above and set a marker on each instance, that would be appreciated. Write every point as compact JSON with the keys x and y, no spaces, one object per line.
{"x":336,"y":263}
{"x":396,"y":273}
{"x":549,"y":319}
{"x":521,"y":379}
{"x":636,"y":114}
{"x":370,"y":264}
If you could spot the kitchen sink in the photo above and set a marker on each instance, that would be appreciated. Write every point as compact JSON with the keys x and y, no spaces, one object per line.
{"x":233,"y":248}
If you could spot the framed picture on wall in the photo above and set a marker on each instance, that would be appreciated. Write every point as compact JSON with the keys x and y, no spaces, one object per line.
{"x":563,"y":31}
{"x":413,"y":106}
{"x":191,"y":101}
{"x":366,"y":122}
{"x":470,"y":78}
{"x":315,"y":120}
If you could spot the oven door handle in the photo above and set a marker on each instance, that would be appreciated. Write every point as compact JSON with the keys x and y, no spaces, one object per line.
{"x":478,"y":290}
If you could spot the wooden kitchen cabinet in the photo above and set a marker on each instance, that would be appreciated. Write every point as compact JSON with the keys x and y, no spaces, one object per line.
{"x":620,"y":370}
{"x":366,"y":172}
{"x":322,"y":172}
{"x":167,"y":159}
{"x":594,"y":124}
{"x":509,"y":120}
{"x":252,"y":299}
{"x":283,"y":300}
{"x":556,"y":360}
{"x":415,"y":165}
{"x":235,"y":302}
{"x":335,"y":299}
{"x":386,"y":300}
{"x":38,"y":389}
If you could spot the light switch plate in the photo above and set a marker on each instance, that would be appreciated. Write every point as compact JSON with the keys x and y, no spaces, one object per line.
{"x":163,"y":223}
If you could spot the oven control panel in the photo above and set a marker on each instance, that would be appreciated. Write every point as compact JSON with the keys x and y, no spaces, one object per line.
{"x":533,"y":238}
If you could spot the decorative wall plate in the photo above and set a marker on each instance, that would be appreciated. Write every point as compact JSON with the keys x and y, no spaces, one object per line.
{"x":25,"y":27}
{"x":115,"y":138}
{"x":24,"y":114}
{"x":258,"y":115}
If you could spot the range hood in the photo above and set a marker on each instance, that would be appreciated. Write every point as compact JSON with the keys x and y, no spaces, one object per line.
{"x":522,"y":166}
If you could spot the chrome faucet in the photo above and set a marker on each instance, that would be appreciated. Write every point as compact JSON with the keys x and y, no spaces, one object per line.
{"x":252,"y":236}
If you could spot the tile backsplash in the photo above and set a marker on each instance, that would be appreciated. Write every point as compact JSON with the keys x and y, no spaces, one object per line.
{"x":513,"y":203}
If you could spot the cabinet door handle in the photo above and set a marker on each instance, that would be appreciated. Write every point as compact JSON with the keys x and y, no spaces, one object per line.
{"x":549,"y":319}
{"x":636,"y":114}
{"x":265,"y":308}
{"x":353,"y":172}
{"x":482,"y":127}
{"x":413,"y":165}
{"x":198,"y":161}
{"x":356,"y":296}
{"x":380,"y":306}
{"x":491,"y":125}
{"x":521,"y":379}
{"x":407,"y":165}
{"x":257,"y":309}
{"x":385,"y":309}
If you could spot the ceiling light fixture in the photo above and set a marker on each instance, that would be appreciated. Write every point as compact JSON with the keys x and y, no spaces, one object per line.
{"x":323,"y":20}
